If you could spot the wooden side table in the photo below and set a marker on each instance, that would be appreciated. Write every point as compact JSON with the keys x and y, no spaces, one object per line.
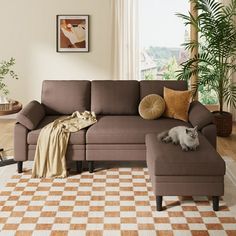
{"x":8,"y":109}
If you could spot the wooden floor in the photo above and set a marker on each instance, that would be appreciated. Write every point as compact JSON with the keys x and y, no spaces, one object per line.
{"x":225,"y":146}
{"x":6,"y":135}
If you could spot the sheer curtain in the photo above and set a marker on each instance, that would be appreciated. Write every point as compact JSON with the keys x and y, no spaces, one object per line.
{"x":125,"y":50}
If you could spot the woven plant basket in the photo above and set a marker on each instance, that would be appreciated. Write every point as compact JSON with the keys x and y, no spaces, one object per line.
{"x":223,"y":122}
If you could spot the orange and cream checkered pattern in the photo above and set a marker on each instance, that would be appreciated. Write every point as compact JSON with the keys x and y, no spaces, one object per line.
{"x":111,"y":202}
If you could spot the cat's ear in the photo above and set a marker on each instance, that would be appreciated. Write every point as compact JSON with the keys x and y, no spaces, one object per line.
{"x":195,"y":128}
{"x":187,"y":131}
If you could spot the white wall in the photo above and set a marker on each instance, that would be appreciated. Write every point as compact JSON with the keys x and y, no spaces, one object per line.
{"x":28,"y":33}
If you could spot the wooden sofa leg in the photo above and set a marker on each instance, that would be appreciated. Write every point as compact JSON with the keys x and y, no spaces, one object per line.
{"x":91,"y":166}
{"x":20,"y":166}
{"x":215,"y":201}
{"x":159,"y":203}
{"x":79,"y":166}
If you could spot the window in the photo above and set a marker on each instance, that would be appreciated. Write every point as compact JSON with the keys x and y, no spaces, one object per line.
{"x":161,"y":36}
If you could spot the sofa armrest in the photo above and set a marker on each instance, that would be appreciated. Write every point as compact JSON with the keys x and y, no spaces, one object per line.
{"x":209,"y":132}
{"x":20,"y":142}
{"x":31,"y":115}
{"x":199,"y":115}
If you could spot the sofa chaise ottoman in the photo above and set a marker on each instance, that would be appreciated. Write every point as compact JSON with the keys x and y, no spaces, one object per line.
{"x":174,"y":172}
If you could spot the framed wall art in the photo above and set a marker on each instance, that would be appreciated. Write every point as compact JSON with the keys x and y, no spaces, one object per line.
{"x":72,"y":33}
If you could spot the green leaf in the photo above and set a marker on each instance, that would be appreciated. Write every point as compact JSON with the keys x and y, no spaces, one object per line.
{"x":5,"y":72}
{"x":216,"y":59}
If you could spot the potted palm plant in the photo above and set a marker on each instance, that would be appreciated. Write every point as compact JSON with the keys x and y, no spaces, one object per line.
{"x":215,"y":61}
{"x":5,"y":69}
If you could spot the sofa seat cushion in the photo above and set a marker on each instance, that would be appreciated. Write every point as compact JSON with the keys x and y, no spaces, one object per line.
{"x":126,"y":129}
{"x":169,"y":160}
{"x":77,"y":138}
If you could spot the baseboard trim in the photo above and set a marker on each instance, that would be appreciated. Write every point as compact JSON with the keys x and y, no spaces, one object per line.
{"x":8,"y":117}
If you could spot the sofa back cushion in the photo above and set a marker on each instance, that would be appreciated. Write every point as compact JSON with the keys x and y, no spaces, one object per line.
{"x":65,"y":96}
{"x":157,"y":86}
{"x":115,"y":97}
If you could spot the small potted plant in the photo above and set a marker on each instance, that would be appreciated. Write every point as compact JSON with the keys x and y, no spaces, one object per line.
{"x":216,"y":59}
{"x":5,"y":70}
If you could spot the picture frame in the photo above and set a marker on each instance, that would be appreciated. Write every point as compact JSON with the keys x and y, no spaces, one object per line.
{"x":72,"y":33}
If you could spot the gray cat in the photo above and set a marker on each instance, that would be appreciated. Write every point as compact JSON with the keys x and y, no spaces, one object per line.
{"x":186,"y":137}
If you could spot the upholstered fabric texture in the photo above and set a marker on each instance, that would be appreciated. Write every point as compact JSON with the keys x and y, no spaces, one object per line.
{"x":177,"y":103}
{"x":31,"y":115}
{"x":151,"y":107}
{"x":209,"y":132}
{"x":115,"y":97}
{"x":127,"y":129}
{"x":157,"y":86}
{"x":20,"y":143}
{"x":199,"y":115}
{"x":170,"y":160}
{"x":65,"y":96}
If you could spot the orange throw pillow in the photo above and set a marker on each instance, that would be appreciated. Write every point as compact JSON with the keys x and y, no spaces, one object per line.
{"x":177,"y":103}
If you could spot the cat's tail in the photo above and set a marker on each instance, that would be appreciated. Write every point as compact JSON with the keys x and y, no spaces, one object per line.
{"x":162,"y":135}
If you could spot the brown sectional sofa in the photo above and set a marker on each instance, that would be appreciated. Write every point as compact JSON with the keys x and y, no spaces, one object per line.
{"x":119,"y":133}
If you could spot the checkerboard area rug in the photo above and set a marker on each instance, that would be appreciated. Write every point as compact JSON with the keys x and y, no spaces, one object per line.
{"x":117,"y":201}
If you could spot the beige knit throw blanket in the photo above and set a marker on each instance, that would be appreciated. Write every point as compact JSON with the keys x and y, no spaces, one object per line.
{"x":50,"y":161}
